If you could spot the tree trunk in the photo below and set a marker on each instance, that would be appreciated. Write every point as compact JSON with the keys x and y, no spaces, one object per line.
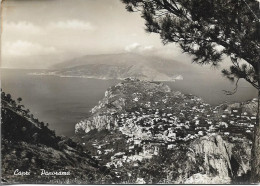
{"x":255,"y":153}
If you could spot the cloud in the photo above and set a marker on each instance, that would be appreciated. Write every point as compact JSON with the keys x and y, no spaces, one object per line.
{"x":73,"y":24}
{"x":170,"y":51}
{"x":26,"y":27}
{"x":138,"y":48}
{"x":132,"y":47}
{"x":147,"y":48}
{"x":25,"y":48}
{"x":21,"y":27}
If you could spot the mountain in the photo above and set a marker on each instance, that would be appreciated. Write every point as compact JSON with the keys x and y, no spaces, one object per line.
{"x":148,"y":133}
{"x":32,"y":153}
{"x":121,"y":66}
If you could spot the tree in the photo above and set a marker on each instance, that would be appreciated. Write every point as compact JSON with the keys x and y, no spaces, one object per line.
{"x":41,"y":124}
{"x":19,"y":107}
{"x":13,"y":103}
{"x":2,"y":94}
{"x":31,"y":116}
{"x":27,"y":111}
{"x":210,"y":30}
{"x":19,"y":100}
{"x":8,"y":97}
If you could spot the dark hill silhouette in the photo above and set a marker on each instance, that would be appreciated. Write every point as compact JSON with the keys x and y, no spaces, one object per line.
{"x":29,"y":145}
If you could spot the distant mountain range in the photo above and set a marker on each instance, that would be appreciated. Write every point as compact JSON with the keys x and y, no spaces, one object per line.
{"x":120,"y":66}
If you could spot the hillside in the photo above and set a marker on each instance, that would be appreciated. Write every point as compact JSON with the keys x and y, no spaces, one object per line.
{"x":120,"y":66}
{"x":28,"y":147}
{"x":140,"y":123}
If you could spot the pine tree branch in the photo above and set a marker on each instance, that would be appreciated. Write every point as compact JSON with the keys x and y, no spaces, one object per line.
{"x":234,"y":91}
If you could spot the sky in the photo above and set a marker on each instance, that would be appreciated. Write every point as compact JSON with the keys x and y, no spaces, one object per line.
{"x":38,"y":34}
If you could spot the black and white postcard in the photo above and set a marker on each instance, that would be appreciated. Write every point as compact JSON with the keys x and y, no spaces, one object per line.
{"x":130,"y":91}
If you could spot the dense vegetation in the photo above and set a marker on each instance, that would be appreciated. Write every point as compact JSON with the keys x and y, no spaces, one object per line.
{"x":18,"y":124}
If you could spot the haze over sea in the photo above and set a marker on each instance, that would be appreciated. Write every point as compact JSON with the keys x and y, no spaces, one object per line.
{"x":63,"y":101}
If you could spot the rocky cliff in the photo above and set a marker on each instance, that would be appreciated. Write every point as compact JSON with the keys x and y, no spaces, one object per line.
{"x":97,"y":122}
{"x":223,"y":161}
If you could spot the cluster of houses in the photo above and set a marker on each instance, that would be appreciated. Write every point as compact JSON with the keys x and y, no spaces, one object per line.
{"x":235,"y":122}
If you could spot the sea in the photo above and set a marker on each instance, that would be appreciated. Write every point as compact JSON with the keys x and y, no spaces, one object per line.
{"x":64,"y":101}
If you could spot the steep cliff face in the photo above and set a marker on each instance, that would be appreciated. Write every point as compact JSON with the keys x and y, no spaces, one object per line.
{"x":212,"y":160}
{"x":217,"y":154}
{"x":96,"y":122}
{"x":223,"y":161}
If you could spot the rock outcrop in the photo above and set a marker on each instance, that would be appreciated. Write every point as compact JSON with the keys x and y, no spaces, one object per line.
{"x":217,"y":154}
{"x":223,"y":161}
{"x":97,"y":122}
